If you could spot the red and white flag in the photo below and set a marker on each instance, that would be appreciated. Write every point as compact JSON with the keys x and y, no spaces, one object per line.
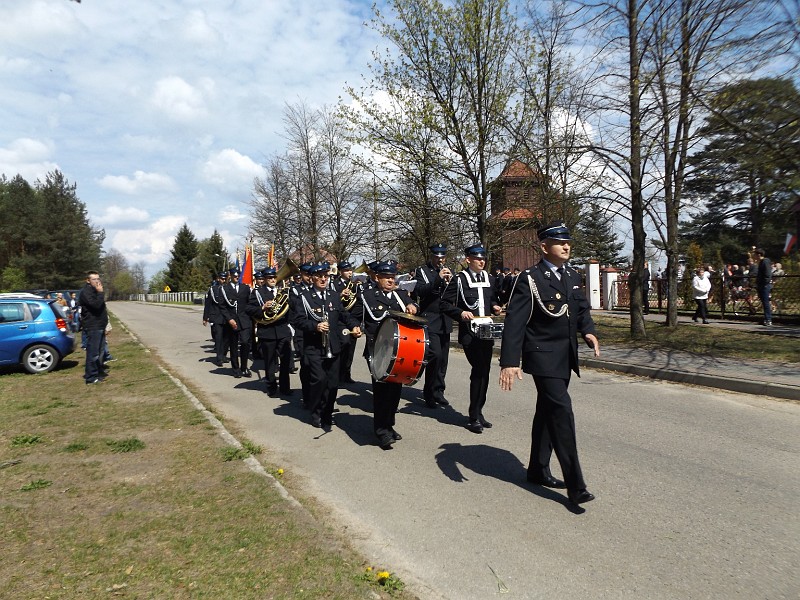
{"x":791,"y":240}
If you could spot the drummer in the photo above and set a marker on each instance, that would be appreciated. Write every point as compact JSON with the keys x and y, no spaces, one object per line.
{"x":371,"y":308}
{"x":473,"y":295}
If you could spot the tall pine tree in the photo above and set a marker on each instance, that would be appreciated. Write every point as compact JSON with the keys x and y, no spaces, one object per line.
{"x":181,"y":264}
{"x":595,"y":239}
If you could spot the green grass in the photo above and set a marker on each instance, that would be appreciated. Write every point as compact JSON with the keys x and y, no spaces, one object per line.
{"x":168,"y":520}
{"x":714,"y":341}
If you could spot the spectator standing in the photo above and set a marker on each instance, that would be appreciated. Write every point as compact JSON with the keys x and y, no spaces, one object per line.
{"x":763,"y":282}
{"x":701,"y":285}
{"x":94,"y":318}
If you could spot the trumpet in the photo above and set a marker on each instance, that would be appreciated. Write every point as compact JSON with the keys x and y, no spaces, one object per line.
{"x":445,"y":273}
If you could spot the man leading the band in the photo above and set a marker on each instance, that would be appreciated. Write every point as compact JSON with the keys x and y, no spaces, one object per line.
{"x":546,"y":312}
{"x":471,"y":294}
{"x":432,"y":279}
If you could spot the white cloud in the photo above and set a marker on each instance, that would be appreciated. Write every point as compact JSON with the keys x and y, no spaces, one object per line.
{"x":121,"y":216}
{"x":27,"y":157}
{"x":151,"y":244}
{"x":228,"y":169}
{"x":181,"y":101}
{"x":140,"y":182}
{"x":231,"y":213}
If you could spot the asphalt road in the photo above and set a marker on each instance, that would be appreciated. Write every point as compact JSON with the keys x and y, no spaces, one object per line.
{"x":697,"y":490}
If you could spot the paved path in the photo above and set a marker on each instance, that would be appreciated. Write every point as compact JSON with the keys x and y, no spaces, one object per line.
{"x":696,"y":489}
{"x":760,"y":377}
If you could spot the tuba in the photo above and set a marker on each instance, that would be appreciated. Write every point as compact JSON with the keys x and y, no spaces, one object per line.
{"x":280,"y":304}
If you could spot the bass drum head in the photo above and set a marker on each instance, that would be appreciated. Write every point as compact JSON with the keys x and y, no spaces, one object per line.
{"x":384,"y":350}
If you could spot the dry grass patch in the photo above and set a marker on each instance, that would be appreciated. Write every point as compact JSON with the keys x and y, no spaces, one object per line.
{"x":120,"y":488}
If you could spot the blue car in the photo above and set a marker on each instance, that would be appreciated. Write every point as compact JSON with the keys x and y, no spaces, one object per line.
{"x":33,"y":332}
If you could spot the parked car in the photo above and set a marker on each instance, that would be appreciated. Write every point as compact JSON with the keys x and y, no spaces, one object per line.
{"x":33,"y":332}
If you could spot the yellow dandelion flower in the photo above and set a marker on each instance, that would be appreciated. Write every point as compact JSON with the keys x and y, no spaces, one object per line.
{"x":280,"y":471}
{"x":382,"y":576}
{"x":369,"y":569}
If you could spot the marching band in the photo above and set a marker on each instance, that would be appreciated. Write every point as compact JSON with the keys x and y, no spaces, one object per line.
{"x":407,"y":321}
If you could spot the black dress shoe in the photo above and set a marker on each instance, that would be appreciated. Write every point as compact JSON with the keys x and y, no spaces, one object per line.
{"x":485,"y":423}
{"x":396,"y":436}
{"x":217,"y":362}
{"x":580,"y":496}
{"x":385,"y":441}
{"x":246,"y":373}
{"x":431,"y":403}
{"x":316,"y":422}
{"x":237,"y":373}
{"x":272,"y":392}
{"x":475,"y":427}
{"x":287,"y":393}
{"x":443,"y":401}
{"x":547,"y":481}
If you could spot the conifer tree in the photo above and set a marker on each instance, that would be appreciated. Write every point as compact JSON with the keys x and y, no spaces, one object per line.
{"x":595,"y":239}
{"x":181,"y":264}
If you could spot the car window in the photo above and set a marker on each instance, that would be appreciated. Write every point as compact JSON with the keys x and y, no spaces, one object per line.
{"x":12,"y":312}
{"x":58,"y":309}
{"x":36,"y":309}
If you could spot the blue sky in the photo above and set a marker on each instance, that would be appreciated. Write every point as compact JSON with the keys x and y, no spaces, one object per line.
{"x":163,"y":111}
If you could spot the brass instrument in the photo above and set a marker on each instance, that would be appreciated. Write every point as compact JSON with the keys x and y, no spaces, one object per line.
{"x":362,"y":268}
{"x":280,"y":304}
{"x":351,"y":296}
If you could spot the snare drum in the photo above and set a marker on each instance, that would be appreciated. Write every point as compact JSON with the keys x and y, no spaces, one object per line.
{"x":399,"y":351}
{"x":485,"y":328}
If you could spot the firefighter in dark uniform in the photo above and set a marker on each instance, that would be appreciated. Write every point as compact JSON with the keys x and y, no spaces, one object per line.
{"x":432,"y":279}
{"x":348,"y":290}
{"x":238,"y":327}
{"x":295,"y":294}
{"x":212,"y":313}
{"x":546,"y":312}
{"x":371,"y":308}
{"x":321,"y":320}
{"x":471,"y":294}
{"x":274,"y":334}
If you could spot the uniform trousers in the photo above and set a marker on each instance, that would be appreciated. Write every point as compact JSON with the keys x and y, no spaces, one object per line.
{"x":479,"y":355}
{"x":271,"y":351}
{"x":232,"y":342}
{"x":323,"y":386}
{"x":554,"y":430}
{"x":436,"y":369}
{"x":385,"y":400}
{"x":346,"y":362}
{"x":218,"y":335}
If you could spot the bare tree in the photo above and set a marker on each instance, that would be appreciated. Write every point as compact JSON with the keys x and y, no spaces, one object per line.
{"x":451,"y":67}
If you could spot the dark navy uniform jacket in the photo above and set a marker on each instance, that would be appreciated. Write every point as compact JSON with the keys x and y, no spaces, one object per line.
{"x":544,"y":317}
{"x":428,"y":291}
{"x":310,"y":309}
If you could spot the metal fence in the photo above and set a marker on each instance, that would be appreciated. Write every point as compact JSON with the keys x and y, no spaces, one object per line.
{"x":728,"y":297}
{"x":170,"y":297}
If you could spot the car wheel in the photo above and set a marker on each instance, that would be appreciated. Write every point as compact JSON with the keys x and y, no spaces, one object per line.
{"x":40,"y":359}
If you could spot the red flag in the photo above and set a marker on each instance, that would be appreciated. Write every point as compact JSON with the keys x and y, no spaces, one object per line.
{"x":247,"y":268}
{"x":791,"y":240}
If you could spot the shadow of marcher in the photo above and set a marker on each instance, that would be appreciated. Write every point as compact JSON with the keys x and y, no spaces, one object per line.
{"x":496,"y":463}
{"x":359,"y":428}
